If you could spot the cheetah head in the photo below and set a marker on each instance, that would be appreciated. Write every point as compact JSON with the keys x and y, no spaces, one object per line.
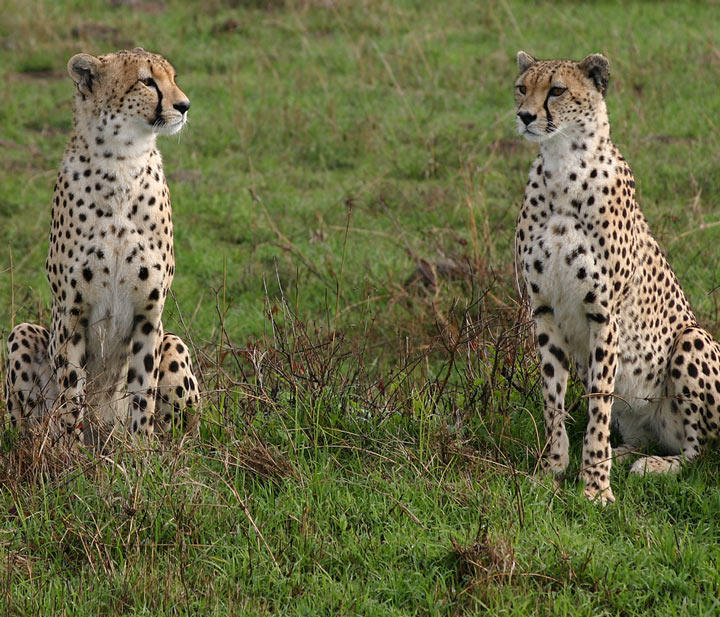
{"x":127,"y":95}
{"x":558,"y":97}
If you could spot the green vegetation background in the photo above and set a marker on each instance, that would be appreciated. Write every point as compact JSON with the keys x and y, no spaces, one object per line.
{"x":344,"y":200}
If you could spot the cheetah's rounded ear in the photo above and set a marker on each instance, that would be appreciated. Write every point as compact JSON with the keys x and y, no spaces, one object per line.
{"x":84,"y":70}
{"x":524,"y":60}
{"x":597,"y":68}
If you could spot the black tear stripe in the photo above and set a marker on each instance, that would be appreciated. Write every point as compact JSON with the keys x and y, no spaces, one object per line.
{"x":158,"y":109}
{"x":549,"y":128}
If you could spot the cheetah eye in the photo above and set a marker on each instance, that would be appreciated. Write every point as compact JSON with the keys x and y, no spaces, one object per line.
{"x":148,"y":81}
{"x":522,"y":89}
{"x":557,"y":91}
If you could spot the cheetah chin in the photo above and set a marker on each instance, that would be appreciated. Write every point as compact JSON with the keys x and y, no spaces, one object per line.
{"x":170,"y":126}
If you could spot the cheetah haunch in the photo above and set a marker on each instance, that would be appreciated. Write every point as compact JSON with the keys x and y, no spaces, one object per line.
{"x":110,"y":262}
{"x":601,"y":291}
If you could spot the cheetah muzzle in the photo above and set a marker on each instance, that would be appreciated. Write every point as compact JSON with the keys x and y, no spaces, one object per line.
{"x":602,"y":293}
{"x":110,"y":263}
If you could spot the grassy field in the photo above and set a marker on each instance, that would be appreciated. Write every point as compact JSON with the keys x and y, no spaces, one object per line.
{"x":344,"y":201}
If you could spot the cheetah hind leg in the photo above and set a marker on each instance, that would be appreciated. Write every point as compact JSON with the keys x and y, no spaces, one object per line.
{"x":623,"y":453}
{"x":30,"y":387}
{"x":177,"y":399}
{"x":694,"y":403}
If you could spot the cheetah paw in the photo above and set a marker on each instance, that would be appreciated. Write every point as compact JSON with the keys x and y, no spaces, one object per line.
{"x":654,"y":465}
{"x":602,"y":497}
{"x":621,"y":454}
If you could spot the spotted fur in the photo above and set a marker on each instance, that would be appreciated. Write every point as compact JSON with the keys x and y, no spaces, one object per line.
{"x":110,"y":262}
{"x":601,"y":291}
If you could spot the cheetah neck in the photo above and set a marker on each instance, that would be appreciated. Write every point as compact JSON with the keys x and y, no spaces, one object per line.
{"x":572,"y":152}
{"x":112,"y":180}
{"x":109,"y":155}
{"x":108,"y":137}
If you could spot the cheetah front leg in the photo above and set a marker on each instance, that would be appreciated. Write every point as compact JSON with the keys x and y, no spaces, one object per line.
{"x":67,"y":351}
{"x":602,"y":366}
{"x":554,"y":367}
{"x":143,"y":369}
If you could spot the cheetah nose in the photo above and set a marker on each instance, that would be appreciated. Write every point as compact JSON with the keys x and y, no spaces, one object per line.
{"x":526,"y":117}
{"x":182,"y":106}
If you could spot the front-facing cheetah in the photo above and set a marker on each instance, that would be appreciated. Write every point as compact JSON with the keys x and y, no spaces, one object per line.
{"x":110,"y":261}
{"x":601,"y":291}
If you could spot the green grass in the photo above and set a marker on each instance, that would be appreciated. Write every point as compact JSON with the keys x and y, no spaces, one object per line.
{"x":368,"y":442}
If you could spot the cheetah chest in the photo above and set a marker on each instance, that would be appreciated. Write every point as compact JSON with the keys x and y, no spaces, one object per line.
{"x":560,"y":266}
{"x":113,"y":235}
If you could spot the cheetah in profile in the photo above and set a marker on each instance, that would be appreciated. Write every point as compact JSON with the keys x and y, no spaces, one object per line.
{"x":110,"y":262}
{"x":601,"y":291}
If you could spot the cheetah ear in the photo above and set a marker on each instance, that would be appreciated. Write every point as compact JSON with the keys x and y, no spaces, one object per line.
{"x":597,"y":68}
{"x":84,"y":69}
{"x":524,"y":61}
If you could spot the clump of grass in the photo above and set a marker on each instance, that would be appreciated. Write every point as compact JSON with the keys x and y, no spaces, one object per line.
{"x":484,"y":562}
{"x":264,"y":460}
{"x":29,"y":459}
